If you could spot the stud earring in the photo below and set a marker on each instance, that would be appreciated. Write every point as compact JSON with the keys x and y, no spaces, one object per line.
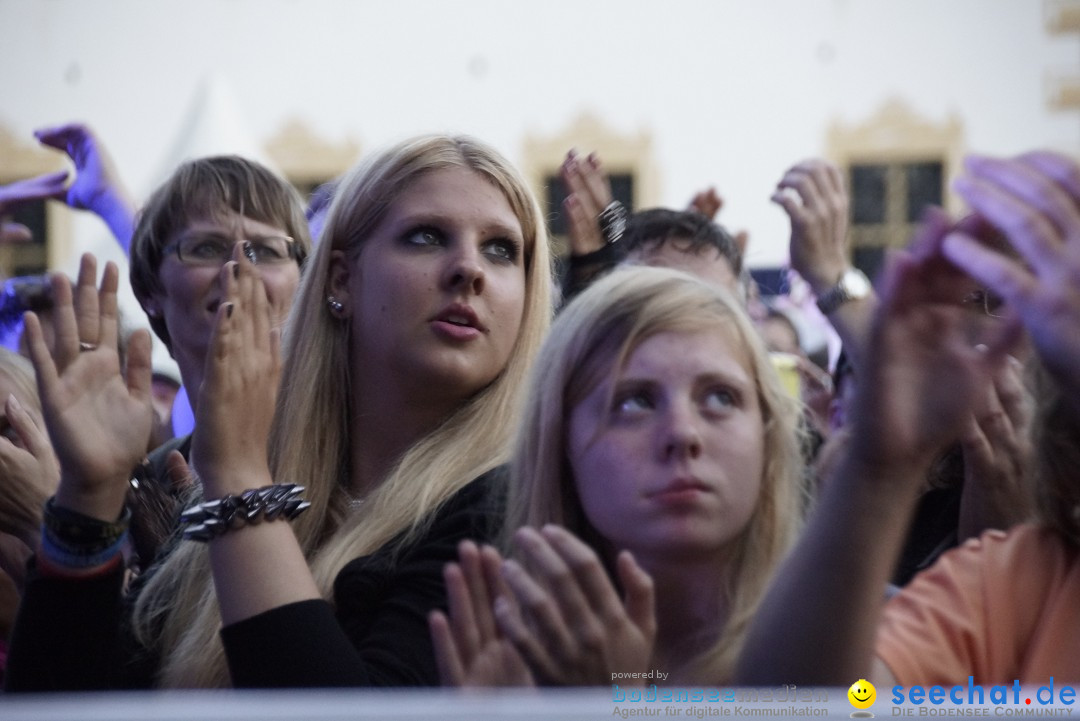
{"x":336,"y":306}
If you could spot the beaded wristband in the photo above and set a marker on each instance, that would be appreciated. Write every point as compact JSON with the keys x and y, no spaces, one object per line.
{"x":209,"y":520}
{"x":47,"y":568}
{"x":76,"y":534}
{"x":61,"y":556}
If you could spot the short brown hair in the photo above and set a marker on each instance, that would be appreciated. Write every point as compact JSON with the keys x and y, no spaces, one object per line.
{"x":208,"y":188}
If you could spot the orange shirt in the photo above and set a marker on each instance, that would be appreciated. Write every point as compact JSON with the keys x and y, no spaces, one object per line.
{"x":1001,"y":607}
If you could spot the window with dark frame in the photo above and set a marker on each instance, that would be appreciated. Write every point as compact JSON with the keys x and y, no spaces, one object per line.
{"x":887,"y":202}
{"x":28,"y":258}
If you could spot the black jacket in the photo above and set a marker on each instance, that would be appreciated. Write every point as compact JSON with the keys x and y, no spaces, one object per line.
{"x":74,"y":634}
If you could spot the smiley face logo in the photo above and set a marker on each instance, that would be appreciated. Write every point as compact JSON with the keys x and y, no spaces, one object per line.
{"x":862,"y":694}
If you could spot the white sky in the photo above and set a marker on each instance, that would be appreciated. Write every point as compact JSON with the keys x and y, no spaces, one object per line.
{"x":733,"y":91}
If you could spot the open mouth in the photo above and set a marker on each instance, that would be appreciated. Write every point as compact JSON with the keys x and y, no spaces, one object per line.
{"x":458,"y":320}
{"x":460,"y":315}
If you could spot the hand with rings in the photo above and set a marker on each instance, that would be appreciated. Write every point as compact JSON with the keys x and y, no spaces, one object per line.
{"x":98,"y":419}
{"x":593,"y":217}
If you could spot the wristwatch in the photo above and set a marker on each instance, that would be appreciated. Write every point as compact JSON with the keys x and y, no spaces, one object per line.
{"x":853,"y":285}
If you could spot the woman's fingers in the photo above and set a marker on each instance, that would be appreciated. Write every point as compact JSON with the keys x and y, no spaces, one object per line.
{"x":588,"y":574}
{"x":804,"y":186}
{"x":139,"y":365}
{"x":582,"y":229}
{"x":524,"y":641}
{"x":178,"y":472}
{"x":447,"y":657}
{"x":1061,"y":169}
{"x":87,"y":316}
{"x":1032,"y":234}
{"x":108,"y":321}
{"x":44,"y":367}
{"x":65,"y":329}
{"x":1026,"y":183}
{"x":573,"y":175}
{"x":479,"y":594}
{"x":543,"y":613}
{"x":640,"y":593}
{"x":463,"y":614}
{"x":596,"y":181}
{"x":570,"y":581}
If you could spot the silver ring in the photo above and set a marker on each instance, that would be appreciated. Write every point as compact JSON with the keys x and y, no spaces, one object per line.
{"x":84,"y":346}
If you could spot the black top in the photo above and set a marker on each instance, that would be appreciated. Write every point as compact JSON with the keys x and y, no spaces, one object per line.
{"x":73,"y":635}
{"x":578,"y":272}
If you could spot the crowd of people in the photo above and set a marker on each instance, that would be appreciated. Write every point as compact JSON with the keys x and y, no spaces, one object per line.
{"x":425,"y":451}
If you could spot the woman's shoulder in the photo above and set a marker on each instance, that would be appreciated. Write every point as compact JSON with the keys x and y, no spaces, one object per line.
{"x":474,"y":512}
{"x":1014,"y":548}
{"x":484,"y":495}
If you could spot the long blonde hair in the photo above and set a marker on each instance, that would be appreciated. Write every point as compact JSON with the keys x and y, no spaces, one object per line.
{"x":311,"y":437}
{"x":591,"y":340}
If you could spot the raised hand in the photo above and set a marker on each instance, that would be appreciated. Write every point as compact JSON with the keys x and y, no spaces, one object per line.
{"x":239,"y":389}
{"x":588,"y":193}
{"x":930,"y":362}
{"x":812,"y":194}
{"x":29,"y":473}
{"x":1034,"y":200}
{"x":97,"y":186}
{"x":99,"y":421}
{"x":469,"y":650}
{"x":566,"y":619}
{"x":707,"y":202}
{"x":95,"y":173}
{"x":928,"y":366}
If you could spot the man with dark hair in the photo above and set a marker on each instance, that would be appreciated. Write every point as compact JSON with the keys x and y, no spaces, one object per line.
{"x":684,"y":240}
{"x":680,"y":239}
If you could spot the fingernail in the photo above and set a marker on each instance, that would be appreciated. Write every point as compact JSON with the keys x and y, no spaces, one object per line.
{"x":228,"y":310}
{"x":13,"y":402}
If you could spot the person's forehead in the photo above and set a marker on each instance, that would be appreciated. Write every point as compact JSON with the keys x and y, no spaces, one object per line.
{"x":706,"y":263}
{"x":231,"y":225}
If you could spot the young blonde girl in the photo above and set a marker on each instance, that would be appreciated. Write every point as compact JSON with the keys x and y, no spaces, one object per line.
{"x":591,"y":344}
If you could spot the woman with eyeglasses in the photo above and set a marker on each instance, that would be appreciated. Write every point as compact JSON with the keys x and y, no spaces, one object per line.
{"x":183,"y":236}
{"x":324,"y":515}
